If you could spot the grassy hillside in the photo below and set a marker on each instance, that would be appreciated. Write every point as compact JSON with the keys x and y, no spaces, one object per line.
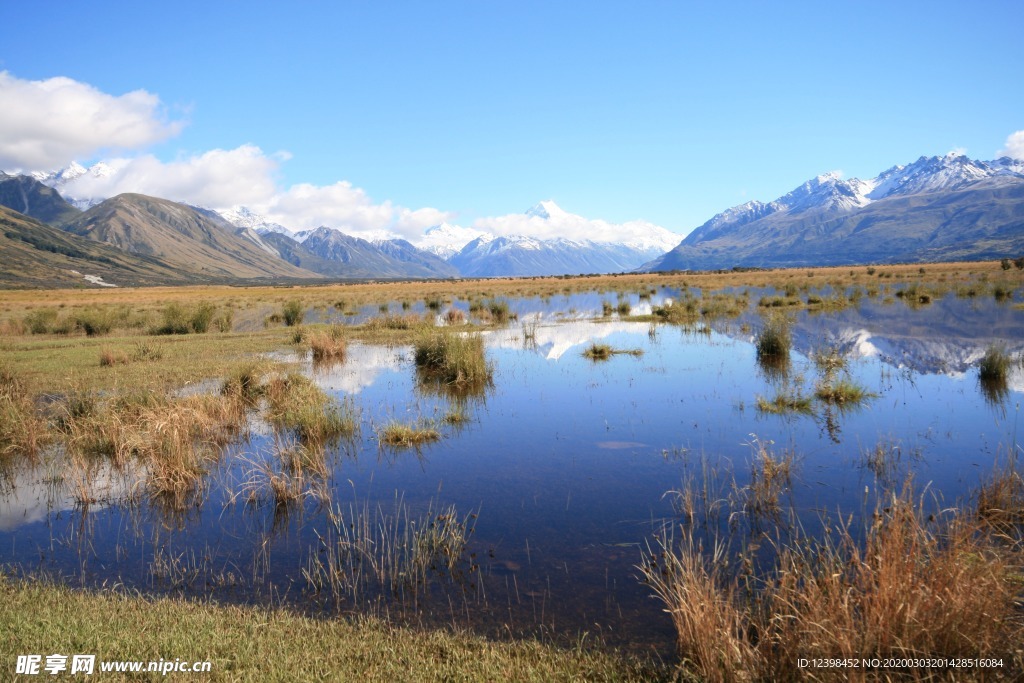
{"x":35,"y":255}
{"x":181,"y":236}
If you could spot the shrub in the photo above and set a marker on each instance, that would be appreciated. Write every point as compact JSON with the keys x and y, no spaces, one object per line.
{"x":292,"y":313}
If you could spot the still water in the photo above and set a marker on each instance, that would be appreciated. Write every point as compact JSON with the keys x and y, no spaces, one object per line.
{"x":561,"y":470}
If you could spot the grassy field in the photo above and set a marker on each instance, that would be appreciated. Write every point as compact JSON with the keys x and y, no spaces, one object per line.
{"x":253,"y":644}
{"x":115,"y":358}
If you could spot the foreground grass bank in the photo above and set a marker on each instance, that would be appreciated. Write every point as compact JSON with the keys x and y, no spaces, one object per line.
{"x":254,"y":644}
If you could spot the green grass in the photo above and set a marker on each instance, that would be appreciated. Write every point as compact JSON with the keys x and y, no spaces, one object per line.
{"x":258,"y":644}
{"x":453,"y":359}
{"x":402,"y":435}
{"x":786,"y":402}
{"x":296,"y":404}
{"x":995,"y":365}
{"x":773,"y":341}
{"x":842,"y":392}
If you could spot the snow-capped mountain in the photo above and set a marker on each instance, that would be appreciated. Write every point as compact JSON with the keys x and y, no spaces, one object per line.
{"x":244,"y":217}
{"x":61,"y":179}
{"x":546,"y":240}
{"x":445,"y":240}
{"x":943,"y":207}
{"x":520,"y":255}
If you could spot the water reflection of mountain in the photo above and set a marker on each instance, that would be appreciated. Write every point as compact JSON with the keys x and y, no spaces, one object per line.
{"x":555,"y":340}
{"x":946,"y":337}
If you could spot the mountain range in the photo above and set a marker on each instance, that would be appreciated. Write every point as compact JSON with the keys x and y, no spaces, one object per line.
{"x":936,"y":208}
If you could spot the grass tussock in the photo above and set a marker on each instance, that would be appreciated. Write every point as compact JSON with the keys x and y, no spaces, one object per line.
{"x":596,"y":352}
{"x":453,"y":359}
{"x":178,"y":319}
{"x":995,"y":365}
{"x":773,"y":341}
{"x":22,"y":431}
{"x":297,"y":404}
{"x":912,"y":587}
{"x":328,"y":344}
{"x":787,"y":401}
{"x":292,"y":313}
{"x":842,"y":392}
{"x":373,"y":554}
{"x":1001,"y":500}
{"x":402,"y":435}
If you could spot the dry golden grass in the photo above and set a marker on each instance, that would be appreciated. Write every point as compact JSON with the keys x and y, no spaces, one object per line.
{"x":912,"y":587}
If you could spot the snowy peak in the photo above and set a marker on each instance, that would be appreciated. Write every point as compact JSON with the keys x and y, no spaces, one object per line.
{"x":932,"y":174}
{"x":244,"y":217}
{"x":546,"y":210}
{"x":445,"y":240}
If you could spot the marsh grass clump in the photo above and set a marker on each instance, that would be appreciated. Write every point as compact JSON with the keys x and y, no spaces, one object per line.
{"x":245,"y":383}
{"x":292,"y":313}
{"x":110,"y":357}
{"x":995,"y":365}
{"x":454,"y":316}
{"x":682,"y":312}
{"x":842,"y":392}
{"x":403,"y":435}
{"x":499,"y":311}
{"x":1001,"y":500}
{"x":773,"y":341}
{"x":596,"y":352}
{"x":392,"y":321}
{"x":453,"y":359}
{"x":369,"y":553}
{"x":178,"y":319}
{"x":96,"y":321}
{"x":327,"y":344}
{"x":22,"y":430}
{"x":606,"y":308}
{"x":913,"y":586}
{"x":295,"y":403}
{"x":789,"y":400}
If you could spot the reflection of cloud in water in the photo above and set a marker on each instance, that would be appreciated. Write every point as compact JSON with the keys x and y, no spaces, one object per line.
{"x":362,"y":365}
{"x":555,"y":341}
{"x":26,"y":497}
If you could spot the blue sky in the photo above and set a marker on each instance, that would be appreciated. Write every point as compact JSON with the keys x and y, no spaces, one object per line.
{"x":665,"y":112}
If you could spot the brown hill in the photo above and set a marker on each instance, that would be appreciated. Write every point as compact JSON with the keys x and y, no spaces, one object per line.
{"x":198,"y":245}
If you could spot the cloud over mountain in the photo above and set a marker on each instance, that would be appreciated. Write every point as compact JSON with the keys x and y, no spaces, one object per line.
{"x":1014,"y":146}
{"x":50,"y":123}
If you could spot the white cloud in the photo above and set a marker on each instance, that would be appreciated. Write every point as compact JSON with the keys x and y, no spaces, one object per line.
{"x":559,"y":223}
{"x":1014,"y":146}
{"x":218,"y":178}
{"x":48,"y":124}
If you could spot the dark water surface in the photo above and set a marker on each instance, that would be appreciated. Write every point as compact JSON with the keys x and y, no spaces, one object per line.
{"x":565,"y":462}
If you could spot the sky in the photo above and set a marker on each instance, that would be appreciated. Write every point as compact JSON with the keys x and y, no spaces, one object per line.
{"x":398,"y":115}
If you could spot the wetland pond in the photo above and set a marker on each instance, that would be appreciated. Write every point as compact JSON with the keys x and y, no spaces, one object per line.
{"x":546,"y":487}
